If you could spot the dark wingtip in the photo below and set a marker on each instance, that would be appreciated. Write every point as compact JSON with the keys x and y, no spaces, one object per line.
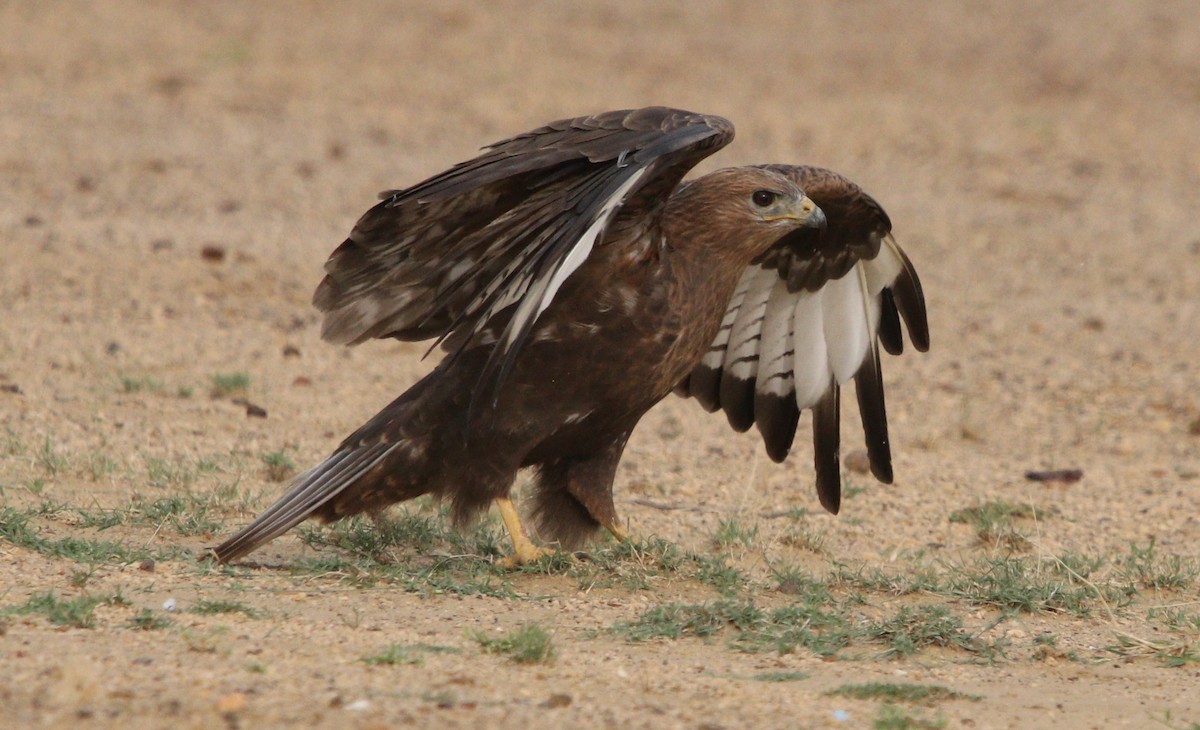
{"x":705,"y":386}
{"x":776,"y":418}
{"x":826,"y":446}
{"x":831,"y":498}
{"x":910,"y":301}
{"x":872,"y":410}
{"x":737,"y":398}
{"x":889,"y":324}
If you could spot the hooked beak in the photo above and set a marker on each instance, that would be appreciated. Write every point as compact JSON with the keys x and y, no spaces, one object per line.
{"x":816,"y":216}
{"x":808,"y":214}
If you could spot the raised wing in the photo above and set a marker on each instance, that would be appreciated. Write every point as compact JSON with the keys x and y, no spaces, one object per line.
{"x":805,"y":319}
{"x":501,"y":232}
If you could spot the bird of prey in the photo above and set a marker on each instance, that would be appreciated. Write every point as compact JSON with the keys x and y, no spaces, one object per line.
{"x":574,"y":280}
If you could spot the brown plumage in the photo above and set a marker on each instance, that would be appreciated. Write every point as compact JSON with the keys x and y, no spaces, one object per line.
{"x":574,"y":282}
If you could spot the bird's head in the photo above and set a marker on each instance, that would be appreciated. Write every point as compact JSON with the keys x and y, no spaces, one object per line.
{"x":741,"y":211}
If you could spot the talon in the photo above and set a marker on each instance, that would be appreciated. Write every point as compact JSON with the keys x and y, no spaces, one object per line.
{"x":530,"y":554}
{"x":618,"y":533}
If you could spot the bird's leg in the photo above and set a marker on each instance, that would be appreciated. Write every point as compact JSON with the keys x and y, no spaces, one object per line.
{"x":590,"y":482}
{"x":524,"y":551}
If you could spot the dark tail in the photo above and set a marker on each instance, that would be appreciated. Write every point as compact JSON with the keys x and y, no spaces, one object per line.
{"x":309,"y":492}
{"x":352,"y":479}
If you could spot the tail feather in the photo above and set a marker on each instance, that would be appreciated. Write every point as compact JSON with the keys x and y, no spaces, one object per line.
{"x":308,"y":493}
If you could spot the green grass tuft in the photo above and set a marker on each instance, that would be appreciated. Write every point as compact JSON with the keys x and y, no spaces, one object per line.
{"x":779,"y":676}
{"x":407,"y":653}
{"x":528,"y":644}
{"x":915,"y":628}
{"x":146,"y":620}
{"x":207,"y":606}
{"x":922,"y":694}
{"x":75,"y":612}
{"x":226,"y":384}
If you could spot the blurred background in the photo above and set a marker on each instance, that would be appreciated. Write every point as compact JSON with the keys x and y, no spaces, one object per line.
{"x":173,"y":175}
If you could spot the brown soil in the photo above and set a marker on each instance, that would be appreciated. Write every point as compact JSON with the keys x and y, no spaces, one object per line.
{"x":1041,"y":166}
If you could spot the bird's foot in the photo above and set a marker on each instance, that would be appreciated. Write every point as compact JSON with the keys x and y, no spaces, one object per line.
{"x":524,"y":551}
{"x":524,"y":555}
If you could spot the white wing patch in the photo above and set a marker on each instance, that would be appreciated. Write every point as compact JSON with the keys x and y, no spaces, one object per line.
{"x":801,"y":343}
{"x":541,"y":292}
{"x":741,"y":353}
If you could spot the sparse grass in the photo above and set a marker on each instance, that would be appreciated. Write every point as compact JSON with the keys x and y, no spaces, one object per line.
{"x":11,"y":443}
{"x":792,"y":581}
{"x":991,"y":513}
{"x":145,"y":383}
{"x":1175,"y":618}
{"x":782,"y":676}
{"x":407,"y":653}
{"x":74,"y":612}
{"x":1143,"y":567}
{"x":528,"y":644}
{"x":720,"y":572}
{"x":806,"y":538}
{"x":1022,"y":584}
{"x":731,"y":532}
{"x":1174,"y":652}
{"x":676,"y":620}
{"x":207,"y":606}
{"x":393,"y":537}
{"x":915,"y":628}
{"x":279,"y":466}
{"x":917,"y":578}
{"x":147,"y":620}
{"x":821,"y":629}
{"x":174,"y":473}
{"x":922,"y":694}
{"x":633,"y":563}
{"x":188,"y":514}
{"x":49,"y":459}
{"x":227,"y":384}
{"x":207,"y":641}
{"x":15,"y":528}
{"x":993,"y":523}
{"x":99,"y":465}
{"x":395,"y":549}
{"x":897,"y":718}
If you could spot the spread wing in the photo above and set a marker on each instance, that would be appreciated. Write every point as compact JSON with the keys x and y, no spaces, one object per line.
{"x":497,"y":235}
{"x":806,"y":318}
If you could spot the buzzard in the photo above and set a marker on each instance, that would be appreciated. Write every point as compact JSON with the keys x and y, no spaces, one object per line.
{"x":574,"y":280}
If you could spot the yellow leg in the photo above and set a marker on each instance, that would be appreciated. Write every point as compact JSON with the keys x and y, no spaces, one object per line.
{"x":524,"y":551}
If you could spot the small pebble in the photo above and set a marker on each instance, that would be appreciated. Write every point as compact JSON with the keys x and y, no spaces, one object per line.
{"x":255,"y":411}
{"x":858,"y":462}
{"x":169,"y":604}
{"x":1065,"y":476}
{"x":557,"y":700}
{"x":213,"y":254}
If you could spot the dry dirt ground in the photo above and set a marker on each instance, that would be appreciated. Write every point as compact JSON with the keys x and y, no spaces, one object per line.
{"x":1041,"y":165}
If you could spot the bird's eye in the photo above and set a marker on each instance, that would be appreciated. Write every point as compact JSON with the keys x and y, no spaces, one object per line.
{"x":763,"y":198}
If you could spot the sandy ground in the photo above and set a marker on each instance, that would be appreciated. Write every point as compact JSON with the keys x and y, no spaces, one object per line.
{"x":1041,"y":166}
